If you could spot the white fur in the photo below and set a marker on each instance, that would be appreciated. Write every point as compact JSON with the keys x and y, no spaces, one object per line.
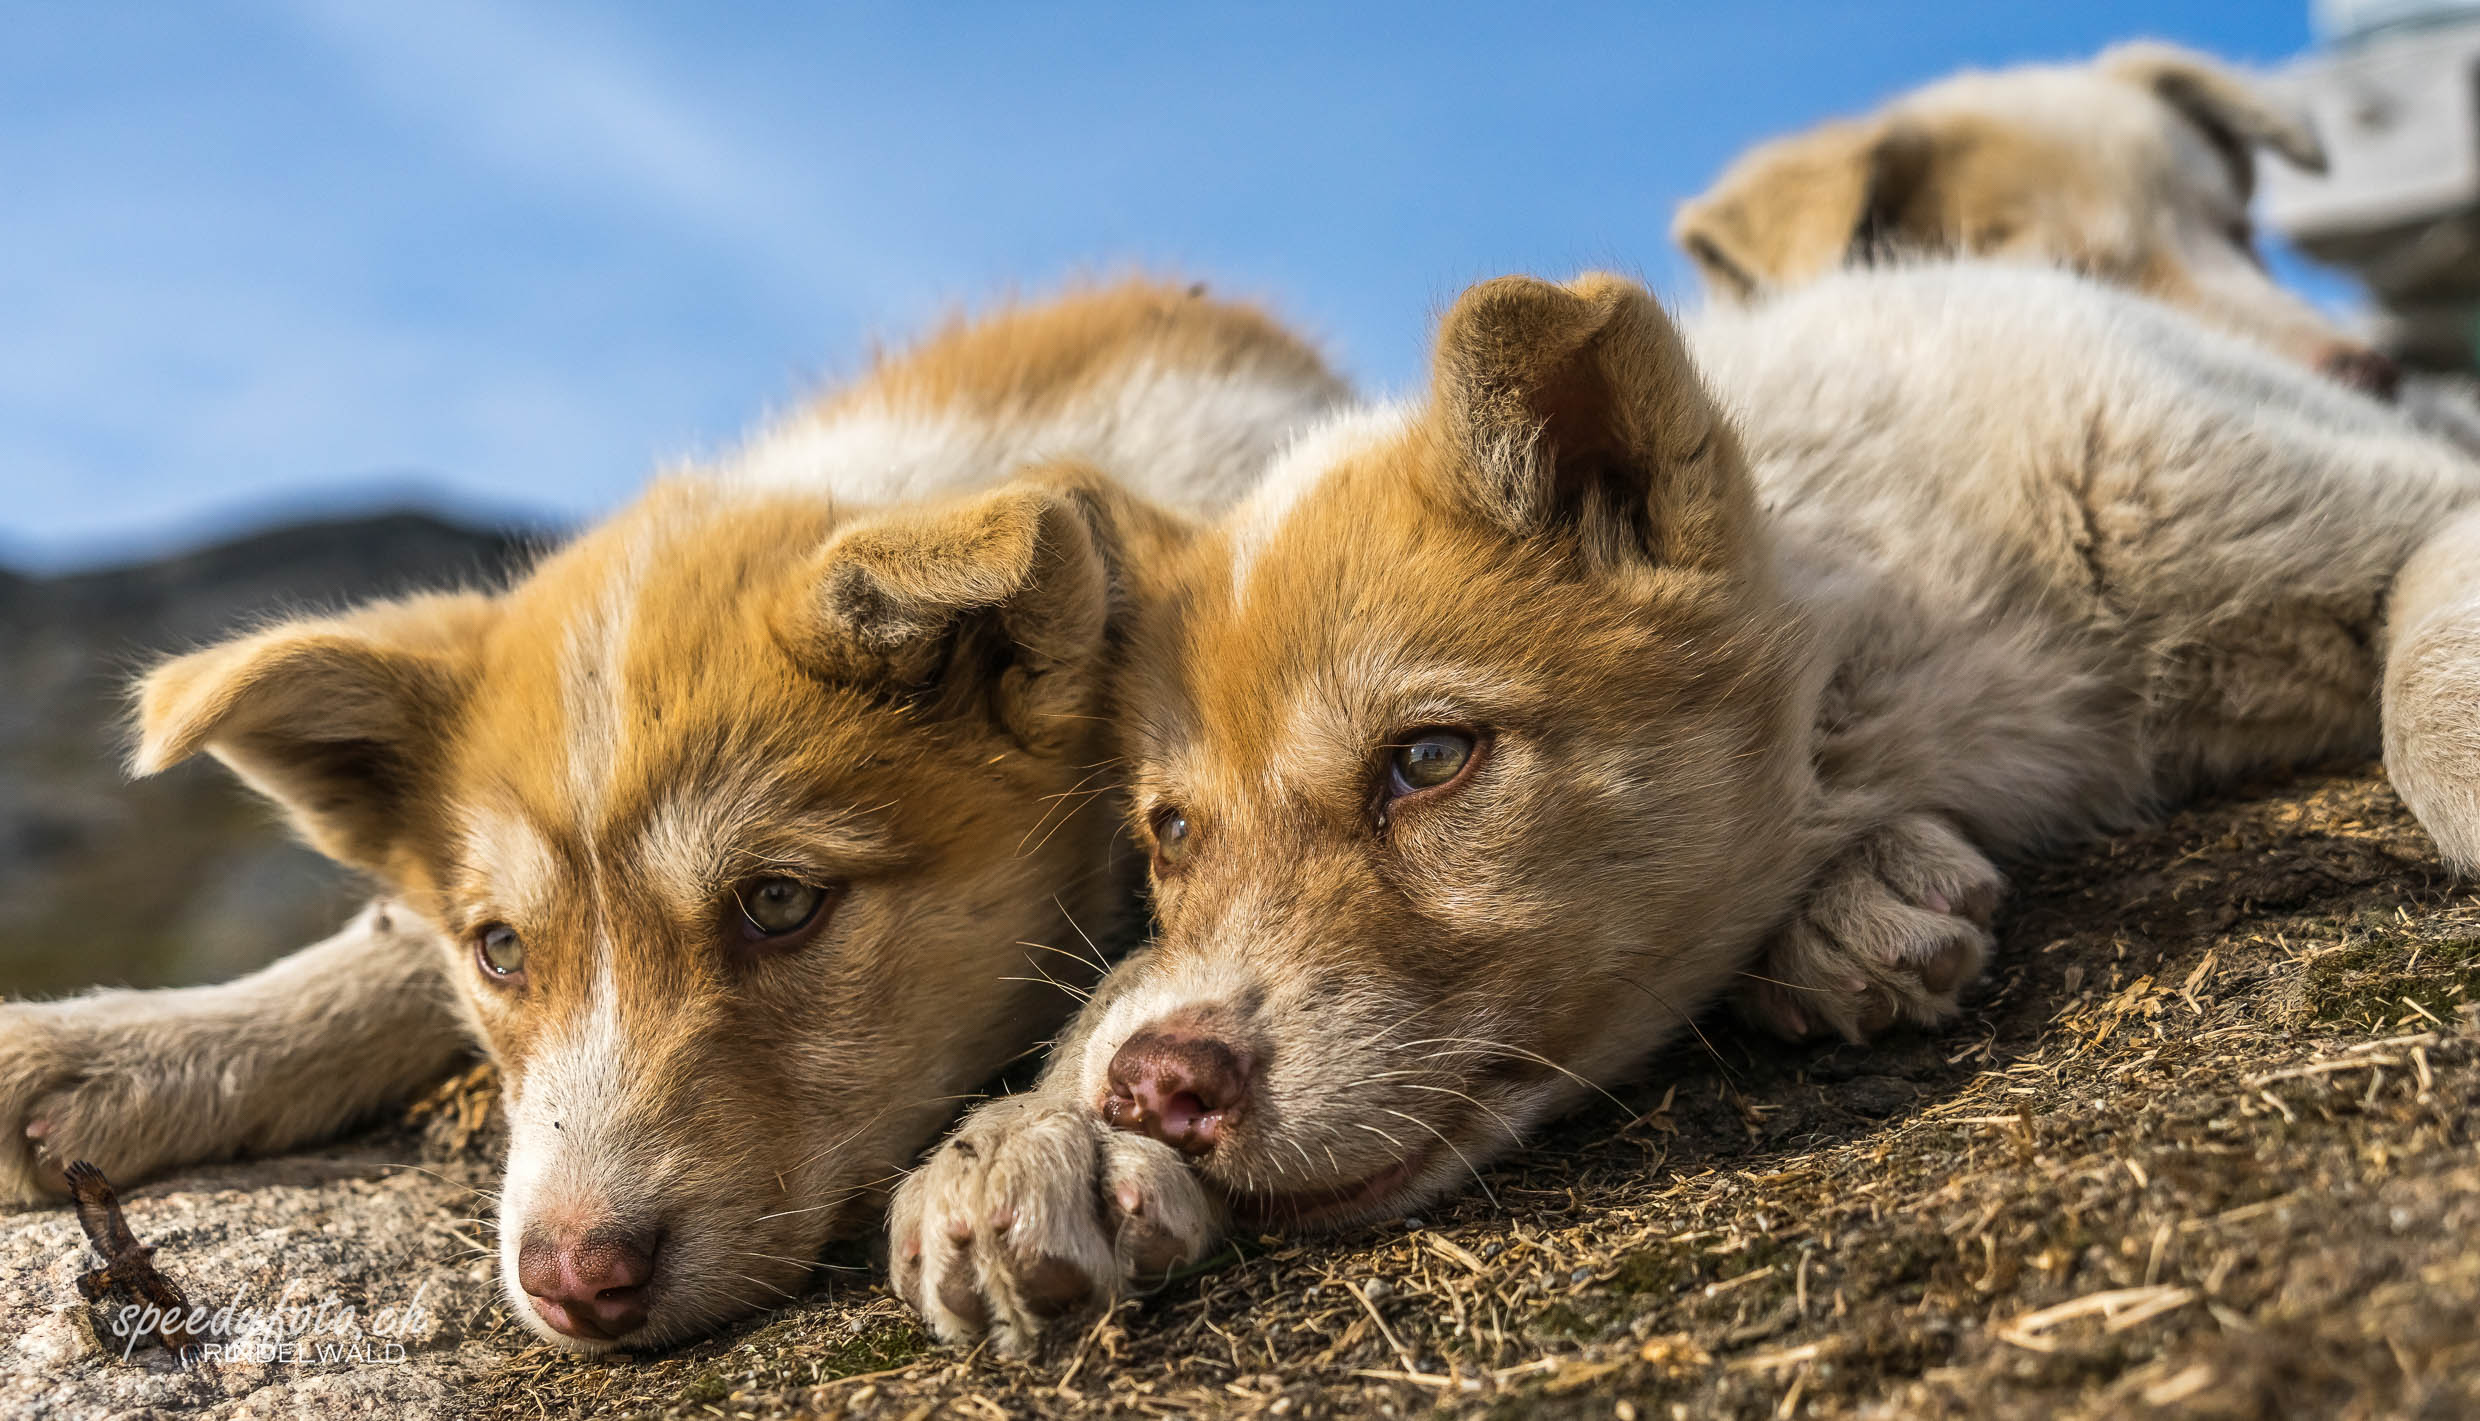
{"x":1312,"y":453}
{"x":2168,"y":188}
{"x":1185,"y":438}
{"x":510,"y":855}
{"x":592,"y":685}
{"x":569,"y":1142}
{"x":1924,"y":431}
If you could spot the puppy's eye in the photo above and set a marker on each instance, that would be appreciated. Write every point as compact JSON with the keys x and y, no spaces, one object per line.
{"x":1431,"y":760}
{"x":778,"y":907}
{"x":500,"y":951}
{"x":1173,"y":838}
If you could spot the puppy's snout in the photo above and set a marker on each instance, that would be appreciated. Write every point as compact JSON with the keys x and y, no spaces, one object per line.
{"x":1183,"y":1086}
{"x":592,"y":1283}
{"x":2362,"y":369}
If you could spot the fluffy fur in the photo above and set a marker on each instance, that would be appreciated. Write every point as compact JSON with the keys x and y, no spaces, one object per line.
{"x":2135,"y":169}
{"x":1773,"y":652}
{"x":871,"y":653}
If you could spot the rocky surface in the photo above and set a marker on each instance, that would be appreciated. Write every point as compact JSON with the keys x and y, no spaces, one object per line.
{"x":396,"y":1217}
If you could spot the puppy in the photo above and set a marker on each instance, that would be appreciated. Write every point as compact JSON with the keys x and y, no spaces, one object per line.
{"x":1499,"y":734}
{"x":742,"y":833}
{"x":2135,"y":169}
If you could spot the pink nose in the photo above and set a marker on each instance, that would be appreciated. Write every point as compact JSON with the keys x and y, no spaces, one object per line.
{"x":592,"y":1284}
{"x":2361,"y":369}
{"x":1184,"y":1088}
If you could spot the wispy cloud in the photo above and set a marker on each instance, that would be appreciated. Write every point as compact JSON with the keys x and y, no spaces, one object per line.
{"x":559,"y":101}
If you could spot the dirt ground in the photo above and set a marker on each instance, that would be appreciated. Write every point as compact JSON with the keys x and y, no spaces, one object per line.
{"x":2201,"y":1147}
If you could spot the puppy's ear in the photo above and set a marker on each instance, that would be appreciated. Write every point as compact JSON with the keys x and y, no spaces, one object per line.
{"x":1798,"y":207}
{"x":1003,"y":603}
{"x":1576,"y":408}
{"x":337,"y":719}
{"x":2233,"y":113}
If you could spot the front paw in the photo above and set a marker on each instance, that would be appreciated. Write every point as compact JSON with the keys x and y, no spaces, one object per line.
{"x":71,"y":1088}
{"x":1033,"y":1217}
{"x":1892,"y":930}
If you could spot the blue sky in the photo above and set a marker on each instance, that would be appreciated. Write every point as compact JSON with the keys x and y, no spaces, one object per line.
{"x":267,"y":258}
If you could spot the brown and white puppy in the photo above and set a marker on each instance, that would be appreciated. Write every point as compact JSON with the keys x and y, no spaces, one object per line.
{"x":2135,"y":169}
{"x":743,"y":833}
{"x":1498,"y":735}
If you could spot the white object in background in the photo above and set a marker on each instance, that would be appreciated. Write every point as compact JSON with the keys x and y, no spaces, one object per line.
{"x":2400,"y":118}
{"x":2341,"y":21}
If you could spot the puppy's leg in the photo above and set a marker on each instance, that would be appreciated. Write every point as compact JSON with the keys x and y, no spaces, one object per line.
{"x":1892,"y":929}
{"x":141,"y":1081}
{"x":2432,"y":689}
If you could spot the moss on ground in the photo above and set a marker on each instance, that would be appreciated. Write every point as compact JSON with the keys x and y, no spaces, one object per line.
{"x":2384,"y":971}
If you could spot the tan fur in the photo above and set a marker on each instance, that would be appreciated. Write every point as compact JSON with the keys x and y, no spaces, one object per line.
{"x":2432,"y":687}
{"x":1037,"y":359}
{"x":2135,"y":170}
{"x":1774,"y":653}
{"x":738,"y":677}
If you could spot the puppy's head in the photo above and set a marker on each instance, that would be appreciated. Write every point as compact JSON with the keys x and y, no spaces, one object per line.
{"x":742,"y":817}
{"x":2136,"y":169}
{"x":1465,"y":754}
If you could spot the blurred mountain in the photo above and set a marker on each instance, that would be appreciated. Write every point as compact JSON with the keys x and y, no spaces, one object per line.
{"x":185,"y":877}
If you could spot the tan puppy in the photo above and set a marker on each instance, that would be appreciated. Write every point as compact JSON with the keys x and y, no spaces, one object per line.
{"x":1498,"y":735}
{"x":2135,"y":169}
{"x":736,"y":832}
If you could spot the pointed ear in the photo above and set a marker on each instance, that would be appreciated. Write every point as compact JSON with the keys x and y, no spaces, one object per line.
{"x":2227,"y":105}
{"x":1577,"y":407}
{"x":1003,"y":603}
{"x":337,"y":719}
{"x":1798,"y":207}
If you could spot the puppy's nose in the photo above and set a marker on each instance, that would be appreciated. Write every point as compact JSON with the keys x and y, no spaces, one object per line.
{"x":2365,"y":370}
{"x":589,"y":1284}
{"x":1183,"y":1087}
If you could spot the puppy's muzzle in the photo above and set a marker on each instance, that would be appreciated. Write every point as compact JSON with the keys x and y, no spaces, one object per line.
{"x":591,"y":1284}
{"x":1181,"y":1083}
{"x":2370,"y":372}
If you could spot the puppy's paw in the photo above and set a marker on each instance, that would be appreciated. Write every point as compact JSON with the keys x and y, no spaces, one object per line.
{"x":2432,"y":747}
{"x":1892,"y":930}
{"x":72,"y":1088}
{"x":1033,"y":1217}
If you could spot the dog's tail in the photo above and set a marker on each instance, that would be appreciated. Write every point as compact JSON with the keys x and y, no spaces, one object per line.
{"x":2432,"y":688}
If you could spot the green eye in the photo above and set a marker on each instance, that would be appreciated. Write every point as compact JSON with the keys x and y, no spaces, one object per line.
{"x":1431,"y":759}
{"x":776,"y":907}
{"x":500,"y":951}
